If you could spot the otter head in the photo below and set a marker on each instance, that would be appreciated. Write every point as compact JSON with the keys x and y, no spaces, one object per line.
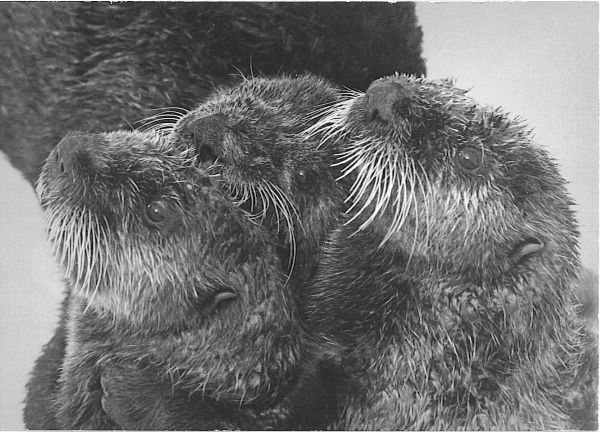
{"x":449,"y":288}
{"x":196,"y":239}
{"x":249,"y":142}
{"x":445,"y":179}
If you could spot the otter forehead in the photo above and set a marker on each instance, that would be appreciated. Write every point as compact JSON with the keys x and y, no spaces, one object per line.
{"x":259,"y":122}
{"x":263,"y":101}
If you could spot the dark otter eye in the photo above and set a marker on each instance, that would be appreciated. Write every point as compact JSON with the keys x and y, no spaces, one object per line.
{"x":157,"y":212}
{"x":302,"y":177}
{"x":469,"y":160}
{"x":305,"y":179}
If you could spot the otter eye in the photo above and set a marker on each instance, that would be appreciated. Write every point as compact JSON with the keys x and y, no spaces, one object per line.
{"x":302,"y":177}
{"x":305,"y":179}
{"x":469,"y":160}
{"x":158,"y":212}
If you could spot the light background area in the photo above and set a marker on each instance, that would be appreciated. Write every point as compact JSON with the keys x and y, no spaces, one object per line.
{"x":539,"y":60}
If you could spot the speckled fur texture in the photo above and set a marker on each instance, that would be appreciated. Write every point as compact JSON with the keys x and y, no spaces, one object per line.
{"x":184,"y":246}
{"x":97,"y":67}
{"x":100,"y":66}
{"x":450,"y":287}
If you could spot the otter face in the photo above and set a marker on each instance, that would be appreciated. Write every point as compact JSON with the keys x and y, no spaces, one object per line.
{"x":249,"y":142}
{"x":196,"y":240}
{"x":445,"y":179}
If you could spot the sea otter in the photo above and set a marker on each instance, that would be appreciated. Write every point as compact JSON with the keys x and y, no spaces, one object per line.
{"x":449,"y":287}
{"x":184,"y":246}
{"x":99,"y":66}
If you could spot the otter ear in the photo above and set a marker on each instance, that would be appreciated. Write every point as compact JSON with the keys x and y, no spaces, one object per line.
{"x":526,"y":249}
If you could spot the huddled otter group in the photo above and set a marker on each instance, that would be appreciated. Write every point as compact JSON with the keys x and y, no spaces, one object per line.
{"x":289,"y":255}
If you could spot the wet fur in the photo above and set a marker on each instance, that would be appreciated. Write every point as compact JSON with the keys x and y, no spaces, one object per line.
{"x":98,"y":67}
{"x":450,"y":288}
{"x":103,"y":66}
{"x":189,"y":321}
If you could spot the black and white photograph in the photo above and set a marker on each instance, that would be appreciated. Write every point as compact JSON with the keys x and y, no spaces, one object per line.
{"x":299,"y":215}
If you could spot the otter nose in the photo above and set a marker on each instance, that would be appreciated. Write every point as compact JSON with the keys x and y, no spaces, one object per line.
{"x":384,"y":99}
{"x":207,"y":133}
{"x":75,"y":153}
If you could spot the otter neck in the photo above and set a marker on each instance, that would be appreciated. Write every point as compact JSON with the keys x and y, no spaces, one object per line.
{"x":393,"y":291}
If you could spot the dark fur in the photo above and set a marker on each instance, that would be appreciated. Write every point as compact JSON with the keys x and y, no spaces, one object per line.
{"x":183,"y":253}
{"x":101,"y":66}
{"x":461,"y":313}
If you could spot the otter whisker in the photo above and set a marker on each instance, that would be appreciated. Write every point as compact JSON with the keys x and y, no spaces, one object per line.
{"x":288,"y":204}
{"x":323,"y":110}
{"x":59,"y":234}
{"x":76,"y":245}
{"x":348,"y":93}
{"x":413,"y":203}
{"x":257,"y":201}
{"x":75,"y":248}
{"x":265,"y":203}
{"x":92,"y":259}
{"x":388,"y":181}
{"x":404,"y":179}
{"x":87,"y":246}
{"x":400,"y":201}
{"x":352,"y":158}
{"x":282,"y":206}
{"x":241,"y":194}
{"x":261,"y":196}
{"x":269,"y":196}
{"x":101,"y":241}
{"x":159,"y":129}
{"x":162,"y":122}
{"x":331,"y":126}
{"x":366,"y":187}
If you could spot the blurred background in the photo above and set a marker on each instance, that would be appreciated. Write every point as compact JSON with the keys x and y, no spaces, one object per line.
{"x":539,"y":60}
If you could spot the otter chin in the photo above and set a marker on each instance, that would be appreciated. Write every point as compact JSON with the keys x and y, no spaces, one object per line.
{"x":449,"y":288}
{"x":183,"y":246}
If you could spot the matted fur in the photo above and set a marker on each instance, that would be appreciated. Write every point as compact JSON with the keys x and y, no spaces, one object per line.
{"x":183,"y":253}
{"x":449,"y":290}
{"x":101,"y":66}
